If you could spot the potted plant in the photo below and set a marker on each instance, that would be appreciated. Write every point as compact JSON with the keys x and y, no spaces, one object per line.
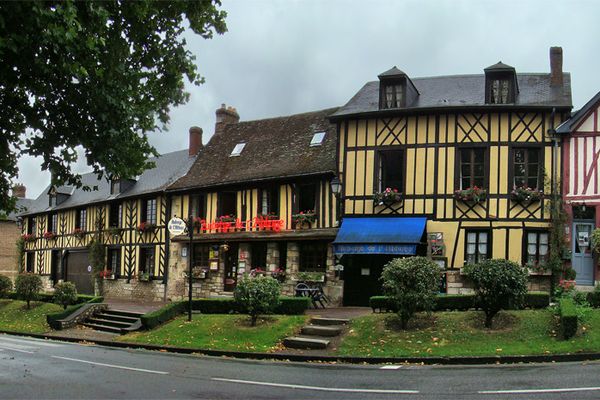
{"x":525,"y":194}
{"x":146,"y":227}
{"x":268,"y":216}
{"x":310,"y":277}
{"x":28,"y":237}
{"x":78,"y":233}
{"x":226,"y":218}
{"x":304,"y":218}
{"x":279,"y":274}
{"x":387,"y":196}
{"x":538,"y":268}
{"x":49,"y":235}
{"x":144,"y":277}
{"x":473,"y":194}
{"x":106,"y":274}
{"x":197,"y":273}
{"x":258,"y":271}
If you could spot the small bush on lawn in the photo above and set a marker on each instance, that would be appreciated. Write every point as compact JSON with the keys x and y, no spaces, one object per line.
{"x":568,"y":317}
{"x":5,"y":286}
{"x":256,"y":296}
{"x":412,"y":284}
{"x":499,"y":284}
{"x":594,"y":297}
{"x":65,"y":294}
{"x":292,"y":305}
{"x":28,"y":286}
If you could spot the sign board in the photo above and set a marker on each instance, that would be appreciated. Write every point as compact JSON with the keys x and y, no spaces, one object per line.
{"x":176,"y":226}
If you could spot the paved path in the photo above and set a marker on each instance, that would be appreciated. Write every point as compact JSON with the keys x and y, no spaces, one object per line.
{"x":33,"y":368}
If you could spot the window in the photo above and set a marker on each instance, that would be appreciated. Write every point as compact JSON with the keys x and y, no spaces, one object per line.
{"x":307,"y":196}
{"x":146,"y":260}
{"x":269,"y":201}
{"x":472,"y":168}
{"x":478,"y":248}
{"x":282,"y":254}
{"x":500,"y":91}
{"x":317,"y":139}
{"x":527,"y":167}
{"x":391,"y":167}
{"x":53,"y":222}
{"x":227,"y":203}
{"x":114,"y":261}
{"x":313,"y":256}
{"x":197,"y":206}
{"x":258,"y":252}
{"x":30,"y":262}
{"x":115,"y":217}
{"x":237,"y":150}
{"x":52,"y":200}
{"x":149,"y":211}
{"x":201,"y":255}
{"x":31,"y":226}
{"x":393,"y":95}
{"x":115,"y":186}
{"x":81,"y":219}
{"x":536,"y":248}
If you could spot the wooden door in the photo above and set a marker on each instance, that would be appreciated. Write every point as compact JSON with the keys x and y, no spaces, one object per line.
{"x":582,"y":258}
{"x":231,"y":268}
{"x":79,"y":272}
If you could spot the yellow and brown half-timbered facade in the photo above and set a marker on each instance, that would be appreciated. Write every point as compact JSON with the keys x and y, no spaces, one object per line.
{"x":128,"y":217}
{"x":460,"y":162}
{"x":260,"y":197}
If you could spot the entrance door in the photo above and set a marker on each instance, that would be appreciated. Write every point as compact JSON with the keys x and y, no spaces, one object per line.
{"x":79,"y":272}
{"x":231,"y":268}
{"x":361,"y":277}
{"x":582,"y":259}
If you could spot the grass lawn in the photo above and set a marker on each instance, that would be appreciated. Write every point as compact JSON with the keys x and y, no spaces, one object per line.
{"x":14,"y":316}
{"x":222,"y":332}
{"x":462,"y":334}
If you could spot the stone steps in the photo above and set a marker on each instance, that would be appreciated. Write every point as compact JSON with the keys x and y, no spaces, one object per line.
{"x":317,"y":334}
{"x":321,"y":330}
{"x":115,"y":321}
{"x":298,"y":342}
{"x":328,"y":321}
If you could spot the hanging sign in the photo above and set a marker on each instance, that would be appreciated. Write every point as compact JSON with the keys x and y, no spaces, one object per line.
{"x":176,"y":226}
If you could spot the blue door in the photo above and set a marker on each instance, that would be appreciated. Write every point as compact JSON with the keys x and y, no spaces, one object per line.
{"x":582,"y":259}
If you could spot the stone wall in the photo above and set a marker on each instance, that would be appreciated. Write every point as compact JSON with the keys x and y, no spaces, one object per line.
{"x":459,"y":284}
{"x":9,"y":234}
{"x":135,"y":290}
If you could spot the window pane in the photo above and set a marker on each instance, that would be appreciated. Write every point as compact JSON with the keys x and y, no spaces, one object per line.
{"x":471,"y":248}
{"x":519,"y":156}
{"x":471,"y":237}
{"x":482,"y":248}
{"x":532,"y":237}
{"x":483,"y":237}
{"x":544,"y":238}
{"x":531,"y":249}
{"x":533,"y":155}
{"x":543,"y":249}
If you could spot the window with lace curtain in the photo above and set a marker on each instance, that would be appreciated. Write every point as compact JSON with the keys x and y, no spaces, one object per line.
{"x":478,"y":246}
{"x":536,"y":248}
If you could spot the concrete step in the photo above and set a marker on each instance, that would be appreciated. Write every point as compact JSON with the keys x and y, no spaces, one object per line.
{"x":321,"y":330}
{"x":116,"y":317}
{"x":328,"y":321}
{"x":108,"y":322}
{"x":104,"y":328}
{"x":298,"y":342}
{"x":124,"y":313}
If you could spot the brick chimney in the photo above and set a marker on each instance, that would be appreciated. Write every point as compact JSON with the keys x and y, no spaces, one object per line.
{"x":225,"y":116}
{"x":556,"y":63}
{"x":195,"y":141}
{"x":19,"y":191}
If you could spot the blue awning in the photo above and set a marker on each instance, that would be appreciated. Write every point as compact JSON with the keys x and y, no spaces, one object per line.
{"x":389,"y":235}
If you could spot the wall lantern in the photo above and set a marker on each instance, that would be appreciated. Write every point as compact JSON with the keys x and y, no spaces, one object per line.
{"x":336,"y":186}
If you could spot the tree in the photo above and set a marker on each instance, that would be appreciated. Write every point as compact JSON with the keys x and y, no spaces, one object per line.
{"x":5,"y":285}
{"x":65,"y":293}
{"x":498,"y":285}
{"x":28,"y":286}
{"x":256,"y":296}
{"x":412,"y":284}
{"x":93,"y":73}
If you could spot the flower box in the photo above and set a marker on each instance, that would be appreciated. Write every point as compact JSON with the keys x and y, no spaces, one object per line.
{"x":49,"y":235}
{"x":279,"y":274}
{"x":304,"y":218}
{"x":78,"y":233}
{"x":474,"y":194}
{"x":226,"y":218}
{"x":146,"y":227}
{"x":524,"y":194}
{"x":28,"y":238}
{"x":388,"y":196}
{"x":310,"y":277}
{"x":197,"y":273}
{"x":114,"y":231}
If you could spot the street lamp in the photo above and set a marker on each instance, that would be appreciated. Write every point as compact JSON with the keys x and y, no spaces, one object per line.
{"x":336,"y":186}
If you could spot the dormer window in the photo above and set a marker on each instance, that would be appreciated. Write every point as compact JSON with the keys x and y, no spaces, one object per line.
{"x":396,"y":90}
{"x":500,"y":84}
{"x":115,"y":185}
{"x":237,"y":150}
{"x":317,"y":139}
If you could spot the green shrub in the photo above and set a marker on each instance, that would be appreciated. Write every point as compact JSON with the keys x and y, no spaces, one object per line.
{"x":257,"y":296}
{"x":536,"y":300}
{"x":292,"y":305}
{"x":594,"y":297}
{"x":65,"y":293}
{"x":412,"y":284}
{"x":382,"y":303}
{"x":28,"y":286}
{"x":214,"y":306}
{"x":457,"y":302}
{"x":5,"y":286}
{"x":153,"y":319}
{"x":499,"y":284}
{"x":568,"y":317}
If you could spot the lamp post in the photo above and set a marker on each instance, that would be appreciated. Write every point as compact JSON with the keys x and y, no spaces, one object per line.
{"x":190,"y":228}
{"x":336,"y":189}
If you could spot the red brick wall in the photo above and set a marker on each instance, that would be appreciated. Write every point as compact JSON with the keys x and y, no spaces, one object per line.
{"x":9,"y":233}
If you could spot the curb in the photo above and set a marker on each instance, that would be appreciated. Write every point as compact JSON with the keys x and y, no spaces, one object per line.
{"x":473,"y":360}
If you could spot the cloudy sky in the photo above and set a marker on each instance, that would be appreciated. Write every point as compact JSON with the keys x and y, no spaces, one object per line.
{"x":284,"y":57}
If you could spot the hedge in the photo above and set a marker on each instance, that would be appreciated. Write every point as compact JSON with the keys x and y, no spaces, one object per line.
{"x":594,"y":298}
{"x":568,"y":317}
{"x":459,"y":302}
{"x":52,"y":318}
{"x":287,"y":306}
{"x":49,"y":298}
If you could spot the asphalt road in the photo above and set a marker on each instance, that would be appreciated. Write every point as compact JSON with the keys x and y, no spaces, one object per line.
{"x":41,"y":369}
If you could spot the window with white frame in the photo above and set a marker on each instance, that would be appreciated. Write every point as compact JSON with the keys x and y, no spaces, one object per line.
{"x":536,"y":248}
{"x":477,"y":246}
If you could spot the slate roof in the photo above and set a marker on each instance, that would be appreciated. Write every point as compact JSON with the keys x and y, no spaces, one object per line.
{"x":464,"y":91}
{"x":22,"y":206}
{"x":169,"y":167}
{"x":569,"y":124}
{"x":275,"y":148}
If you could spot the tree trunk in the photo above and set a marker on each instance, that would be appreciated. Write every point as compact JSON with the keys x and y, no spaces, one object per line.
{"x":488,"y":319}
{"x":253,"y":320}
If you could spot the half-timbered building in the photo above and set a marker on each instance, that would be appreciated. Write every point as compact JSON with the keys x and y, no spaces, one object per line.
{"x":260,"y":198}
{"x":128,"y":216}
{"x":581,"y":153}
{"x":465,"y":160}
